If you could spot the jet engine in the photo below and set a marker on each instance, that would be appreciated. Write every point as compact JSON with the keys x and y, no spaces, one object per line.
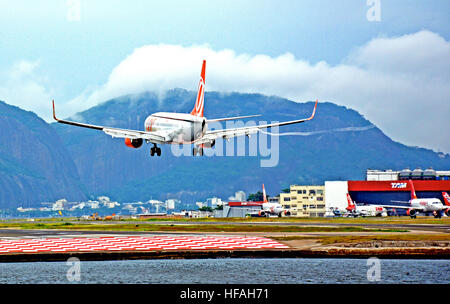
{"x":209,"y":144}
{"x":411,"y":212}
{"x":261,"y":213}
{"x":133,"y":143}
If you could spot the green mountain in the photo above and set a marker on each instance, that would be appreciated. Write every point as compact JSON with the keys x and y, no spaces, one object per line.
{"x":338,"y":143}
{"x":34,"y":164}
{"x":41,"y":162}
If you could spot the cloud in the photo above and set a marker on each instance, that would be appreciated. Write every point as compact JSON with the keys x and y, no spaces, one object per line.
{"x":23,"y":86}
{"x":401,"y":84}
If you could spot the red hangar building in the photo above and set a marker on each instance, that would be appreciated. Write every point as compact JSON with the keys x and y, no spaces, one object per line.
{"x":427,"y":184}
{"x":388,"y":187}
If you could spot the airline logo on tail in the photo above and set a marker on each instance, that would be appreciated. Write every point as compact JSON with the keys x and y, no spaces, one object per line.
{"x":413,"y":192}
{"x":200,"y":102}
{"x":446,"y":198}
{"x":351,"y":205}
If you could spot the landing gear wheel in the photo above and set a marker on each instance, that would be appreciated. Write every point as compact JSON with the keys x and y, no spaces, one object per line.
{"x":196,"y":151}
{"x":155,"y":150}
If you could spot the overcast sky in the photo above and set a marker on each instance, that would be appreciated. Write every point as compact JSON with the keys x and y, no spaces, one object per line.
{"x":389,"y":62}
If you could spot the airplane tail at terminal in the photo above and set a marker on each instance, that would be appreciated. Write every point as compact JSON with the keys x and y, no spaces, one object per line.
{"x":446,"y":198}
{"x":199,"y":103}
{"x":264,"y":195}
{"x":351,"y":204}
{"x":413,"y":192}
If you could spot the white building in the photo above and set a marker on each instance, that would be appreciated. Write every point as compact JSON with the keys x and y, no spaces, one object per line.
{"x":214,"y":202}
{"x":336,"y":195}
{"x":59,"y":204}
{"x":200,"y":204}
{"x":239,"y":196}
{"x":170,"y":203}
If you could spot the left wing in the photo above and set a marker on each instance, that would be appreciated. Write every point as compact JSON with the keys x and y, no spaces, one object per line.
{"x":230,"y":133}
{"x":402,"y":207}
{"x":153,"y":137}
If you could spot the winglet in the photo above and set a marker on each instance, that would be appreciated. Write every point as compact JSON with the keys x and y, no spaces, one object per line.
{"x":314,"y":111}
{"x":54,"y":115}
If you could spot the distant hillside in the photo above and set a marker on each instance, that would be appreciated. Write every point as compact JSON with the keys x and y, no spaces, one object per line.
{"x":34,"y":165}
{"x":107,"y":166}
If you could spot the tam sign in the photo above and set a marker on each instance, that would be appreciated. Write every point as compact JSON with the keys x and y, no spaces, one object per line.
{"x":398,"y":185}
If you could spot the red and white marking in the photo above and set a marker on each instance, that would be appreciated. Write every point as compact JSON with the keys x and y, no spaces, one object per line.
{"x":136,"y":243}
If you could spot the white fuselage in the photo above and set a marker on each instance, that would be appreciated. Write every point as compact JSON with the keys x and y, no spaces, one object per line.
{"x":177,"y":128}
{"x":371,"y":210}
{"x":274,"y":208}
{"x":427,"y":204}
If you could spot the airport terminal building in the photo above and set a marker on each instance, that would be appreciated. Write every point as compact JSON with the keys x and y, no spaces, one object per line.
{"x":381,"y":187}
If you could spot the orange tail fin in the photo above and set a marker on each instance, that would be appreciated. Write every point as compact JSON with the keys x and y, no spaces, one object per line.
{"x":199,"y":103}
{"x":413,"y":192}
{"x":351,"y":205}
{"x":446,"y":198}
{"x":264,"y":195}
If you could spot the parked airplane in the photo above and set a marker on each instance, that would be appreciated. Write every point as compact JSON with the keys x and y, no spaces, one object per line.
{"x":424,"y":205}
{"x":273,"y":208}
{"x":181,"y":128}
{"x":270,"y":209}
{"x":369,"y":210}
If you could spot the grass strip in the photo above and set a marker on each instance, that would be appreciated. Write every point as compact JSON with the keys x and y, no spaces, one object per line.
{"x":189,"y":228}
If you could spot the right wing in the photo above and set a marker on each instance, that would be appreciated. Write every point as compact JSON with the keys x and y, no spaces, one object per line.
{"x":230,"y":133}
{"x":116,"y":132}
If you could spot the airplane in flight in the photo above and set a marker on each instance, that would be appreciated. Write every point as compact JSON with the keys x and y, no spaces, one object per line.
{"x":181,"y":128}
{"x":424,"y":205}
{"x":369,"y":210}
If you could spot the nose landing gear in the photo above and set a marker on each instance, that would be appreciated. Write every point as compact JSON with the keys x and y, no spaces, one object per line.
{"x":198,"y":151}
{"x":155,"y":150}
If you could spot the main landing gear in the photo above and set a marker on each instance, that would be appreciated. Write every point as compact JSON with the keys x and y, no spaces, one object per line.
{"x":155,"y":150}
{"x":198,"y":151}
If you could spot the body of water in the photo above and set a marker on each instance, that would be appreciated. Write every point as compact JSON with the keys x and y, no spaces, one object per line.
{"x":229,"y":271}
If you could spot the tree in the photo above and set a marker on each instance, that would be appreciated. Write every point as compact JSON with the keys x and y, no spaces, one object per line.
{"x":256,"y":197}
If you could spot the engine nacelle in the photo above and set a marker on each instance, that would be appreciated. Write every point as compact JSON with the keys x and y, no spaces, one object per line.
{"x":261,"y":213}
{"x":411,"y":212}
{"x":134,"y":143}
{"x":287,"y":212}
{"x":209,"y":144}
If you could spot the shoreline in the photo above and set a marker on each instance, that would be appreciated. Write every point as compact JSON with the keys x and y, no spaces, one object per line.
{"x":350,"y":253}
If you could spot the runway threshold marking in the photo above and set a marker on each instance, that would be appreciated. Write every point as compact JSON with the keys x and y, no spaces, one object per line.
{"x":137,"y":243}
